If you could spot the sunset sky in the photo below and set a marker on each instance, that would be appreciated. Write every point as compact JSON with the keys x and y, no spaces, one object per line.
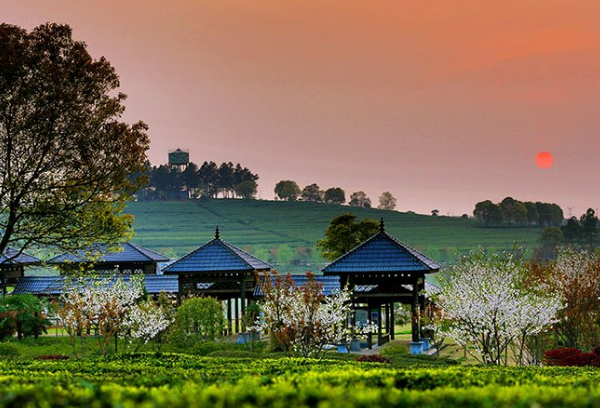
{"x":443,"y":103}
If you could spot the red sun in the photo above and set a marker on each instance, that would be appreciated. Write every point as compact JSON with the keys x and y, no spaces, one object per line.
{"x":544,"y":160}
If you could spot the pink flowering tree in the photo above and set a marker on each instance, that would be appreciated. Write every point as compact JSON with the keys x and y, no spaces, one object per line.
{"x":485,"y":306}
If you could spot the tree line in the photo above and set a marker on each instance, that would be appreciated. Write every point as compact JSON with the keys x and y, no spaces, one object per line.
{"x":209,"y":180}
{"x":513,"y":212}
{"x":289,"y":190}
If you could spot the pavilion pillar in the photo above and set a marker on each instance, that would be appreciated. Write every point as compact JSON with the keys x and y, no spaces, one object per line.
{"x":236,"y":313}
{"x":229,"y":328}
{"x":422,"y":312}
{"x":379,"y":325}
{"x":415,"y":313}
{"x":392,"y":323}
{"x":243,"y":306}
{"x":370,"y":334}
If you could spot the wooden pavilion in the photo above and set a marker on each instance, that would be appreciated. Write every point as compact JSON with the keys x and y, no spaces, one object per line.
{"x":223,"y":271}
{"x":12,"y":267}
{"x":99,"y":258}
{"x":382,"y":271}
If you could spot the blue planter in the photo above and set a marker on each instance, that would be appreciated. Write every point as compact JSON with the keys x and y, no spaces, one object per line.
{"x":355,"y":345}
{"x":416,"y":347}
{"x":341,"y":348}
{"x":245,"y":338}
{"x":425,"y":342}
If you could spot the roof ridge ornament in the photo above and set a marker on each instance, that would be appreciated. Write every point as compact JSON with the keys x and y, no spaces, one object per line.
{"x":381,"y":225}
{"x":217,"y":235}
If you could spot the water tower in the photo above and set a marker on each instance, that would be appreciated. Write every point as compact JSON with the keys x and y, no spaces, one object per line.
{"x":179,"y":159}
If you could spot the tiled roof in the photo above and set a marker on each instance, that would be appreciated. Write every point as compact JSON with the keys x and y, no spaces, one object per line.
{"x":217,"y":256}
{"x":331,"y":284}
{"x":8,"y":258}
{"x":129,"y":253}
{"x":53,"y":285}
{"x":382,"y":253}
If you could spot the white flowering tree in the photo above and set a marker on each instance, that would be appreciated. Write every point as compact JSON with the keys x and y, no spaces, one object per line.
{"x":486,"y":306}
{"x":145,"y":321}
{"x":300,"y":318}
{"x":100,"y":305}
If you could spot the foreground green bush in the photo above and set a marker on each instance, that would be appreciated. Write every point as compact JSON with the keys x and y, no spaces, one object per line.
{"x":175,"y":380}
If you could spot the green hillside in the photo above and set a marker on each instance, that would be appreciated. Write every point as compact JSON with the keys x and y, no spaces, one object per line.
{"x":285,"y":233}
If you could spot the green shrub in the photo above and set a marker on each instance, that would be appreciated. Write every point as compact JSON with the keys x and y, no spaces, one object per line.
{"x":394,"y":349}
{"x":9,"y":350}
{"x":198,"y":320}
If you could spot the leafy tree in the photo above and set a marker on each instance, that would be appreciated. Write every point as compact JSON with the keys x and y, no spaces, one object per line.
{"x":551,"y":239}
{"x":344,"y":233}
{"x":507,"y":206}
{"x":23,"y":314}
{"x":488,"y":212}
{"x":312,"y":192}
{"x":65,"y":156}
{"x":532,"y":213}
{"x":550,"y":215}
{"x":335,"y":195}
{"x":571,"y":230}
{"x":589,"y":228}
{"x":386,"y":201}
{"x":246,"y":189}
{"x":209,"y":179}
{"x":360,"y":199}
{"x":226,"y":179}
{"x":190,"y":179}
{"x":574,"y":275}
{"x":287,"y":190}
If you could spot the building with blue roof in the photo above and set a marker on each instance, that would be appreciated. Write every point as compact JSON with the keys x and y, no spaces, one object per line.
{"x":12,"y":267}
{"x":220,"y":270}
{"x":52,"y":286}
{"x":382,"y":271}
{"x":129,"y":258}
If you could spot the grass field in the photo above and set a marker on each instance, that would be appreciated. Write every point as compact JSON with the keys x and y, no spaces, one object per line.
{"x":285,"y":233}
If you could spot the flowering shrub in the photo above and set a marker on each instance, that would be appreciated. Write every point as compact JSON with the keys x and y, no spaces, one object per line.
{"x":52,"y":357}
{"x":109,"y":307}
{"x":484,"y":304}
{"x":300,"y":318}
{"x":374,"y":358}
{"x":569,"y":356}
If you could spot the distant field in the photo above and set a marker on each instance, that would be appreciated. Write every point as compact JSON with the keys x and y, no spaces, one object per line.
{"x":285,"y":233}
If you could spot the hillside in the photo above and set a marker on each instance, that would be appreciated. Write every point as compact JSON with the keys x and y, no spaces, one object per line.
{"x":285,"y":233}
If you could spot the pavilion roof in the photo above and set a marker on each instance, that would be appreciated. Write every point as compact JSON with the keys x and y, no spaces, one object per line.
{"x":129,"y":253}
{"x":54,"y":285}
{"x":217,"y":256}
{"x":10,"y":257}
{"x":382,"y":253}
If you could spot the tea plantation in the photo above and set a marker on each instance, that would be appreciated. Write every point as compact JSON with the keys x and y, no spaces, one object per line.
{"x":285,"y":233}
{"x":178,"y":380}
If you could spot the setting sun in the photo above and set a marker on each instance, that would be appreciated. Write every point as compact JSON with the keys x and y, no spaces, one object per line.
{"x":544,"y":160}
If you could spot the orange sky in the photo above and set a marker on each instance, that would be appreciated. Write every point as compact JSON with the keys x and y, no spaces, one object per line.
{"x":443,"y":103}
